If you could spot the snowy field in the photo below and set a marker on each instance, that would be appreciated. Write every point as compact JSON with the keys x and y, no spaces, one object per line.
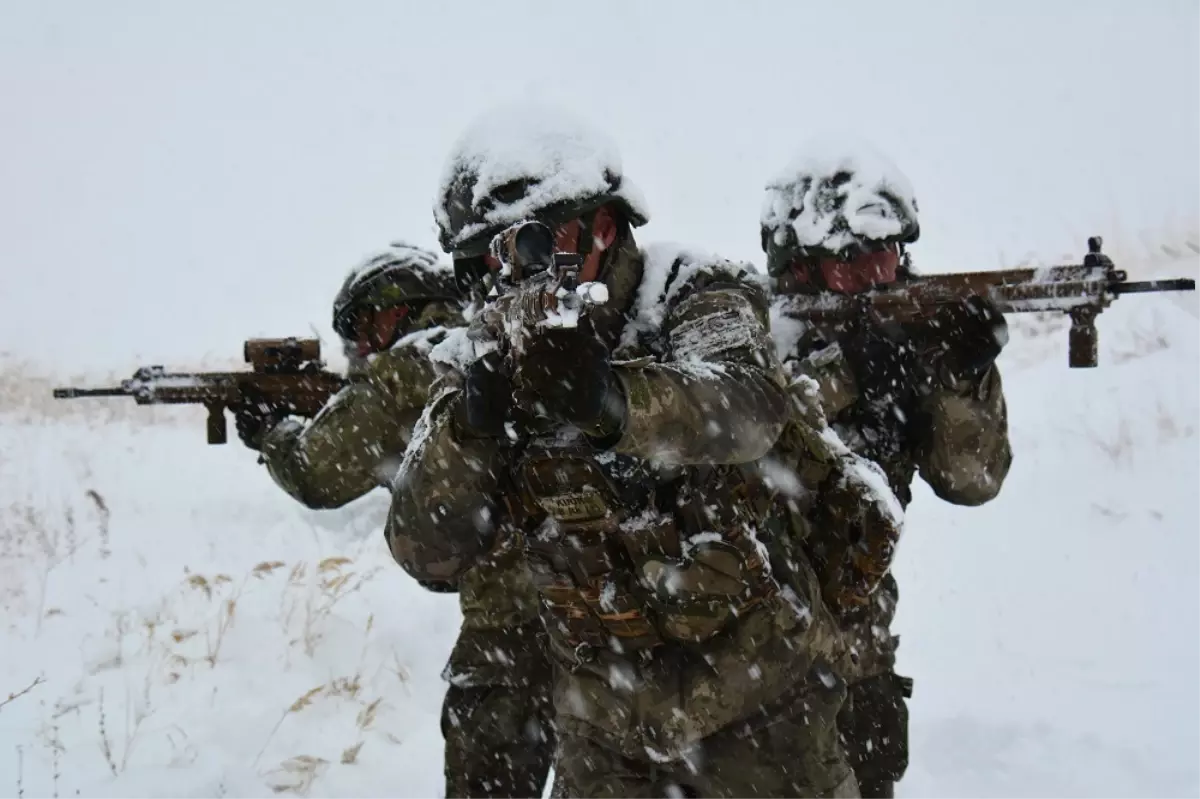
{"x":190,"y":631}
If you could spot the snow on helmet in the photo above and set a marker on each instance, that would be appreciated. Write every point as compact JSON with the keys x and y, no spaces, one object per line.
{"x":401,"y":275}
{"x":836,"y":201}
{"x":521,"y":161}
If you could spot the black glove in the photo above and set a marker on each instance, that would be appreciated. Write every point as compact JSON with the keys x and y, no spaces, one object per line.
{"x":970,"y":336}
{"x":488,"y":396}
{"x":255,"y":418}
{"x":567,"y":375}
{"x":883,"y":358}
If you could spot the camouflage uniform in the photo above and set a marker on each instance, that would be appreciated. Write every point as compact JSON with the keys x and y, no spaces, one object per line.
{"x":949,"y":428}
{"x":683,"y":664}
{"x":496,"y":714}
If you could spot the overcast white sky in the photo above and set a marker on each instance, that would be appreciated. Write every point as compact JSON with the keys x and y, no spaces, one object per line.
{"x":176,"y":178}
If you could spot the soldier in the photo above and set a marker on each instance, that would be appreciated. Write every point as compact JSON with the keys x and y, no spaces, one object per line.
{"x":914,"y":399}
{"x":608,"y":454}
{"x":389,"y":313}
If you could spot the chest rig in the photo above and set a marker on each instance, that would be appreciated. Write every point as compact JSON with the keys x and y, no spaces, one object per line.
{"x":628,"y":557}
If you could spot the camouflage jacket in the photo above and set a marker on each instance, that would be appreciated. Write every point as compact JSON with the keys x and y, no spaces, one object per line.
{"x":355,"y":443}
{"x":956,"y":438}
{"x":658,"y":601}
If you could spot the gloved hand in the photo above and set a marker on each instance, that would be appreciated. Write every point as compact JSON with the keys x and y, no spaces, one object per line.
{"x":567,"y":375}
{"x":970,"y":335}
{"x":488,"y":396}
{"x":255,"y":418}
{"x":883,"y":358}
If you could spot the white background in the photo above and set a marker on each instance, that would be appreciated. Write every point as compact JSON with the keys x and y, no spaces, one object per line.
{"x":177,"y":177}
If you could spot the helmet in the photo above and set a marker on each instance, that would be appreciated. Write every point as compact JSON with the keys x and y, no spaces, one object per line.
{"x":400,"y":275}
{"x":525,"y":161}
{"x":829,"y":203}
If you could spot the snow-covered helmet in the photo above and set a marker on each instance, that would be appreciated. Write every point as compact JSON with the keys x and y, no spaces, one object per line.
{"x":404,"y":279}
{"x":522,"y":161}
{"x":836,"y":202}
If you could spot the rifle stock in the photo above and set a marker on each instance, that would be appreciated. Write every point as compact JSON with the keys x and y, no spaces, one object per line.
{"x":1082,"y":291}
{"x":286,"y":374}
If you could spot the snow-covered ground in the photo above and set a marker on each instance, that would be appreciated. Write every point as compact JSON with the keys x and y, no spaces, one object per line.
{"x":196,"y":633}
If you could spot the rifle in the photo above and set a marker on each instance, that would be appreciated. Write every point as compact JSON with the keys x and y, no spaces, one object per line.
{"x":1082,"y":291}
{"x":535,"y":288}
{"x":286,"y":374}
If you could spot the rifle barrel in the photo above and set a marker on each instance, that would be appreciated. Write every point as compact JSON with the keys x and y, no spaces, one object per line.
{"x":70,"y":393}
{"x":1144,"y":286}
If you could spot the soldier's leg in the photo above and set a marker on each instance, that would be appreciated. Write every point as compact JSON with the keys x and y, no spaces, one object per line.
{"x":794,"y":751}
{"x":586,"y":770}
{"x":874,"y":729}
{"x":497,"y":717}
{"x":499,"y":742}
{"x":874,"y":719}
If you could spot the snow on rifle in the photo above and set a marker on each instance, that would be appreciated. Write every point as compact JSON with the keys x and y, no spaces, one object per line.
{"x":1082,"y":291}
{"x":535,"y":288}
{"x":286,"y":374}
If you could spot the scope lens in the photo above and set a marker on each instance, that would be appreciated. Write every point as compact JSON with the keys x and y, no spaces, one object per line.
{"x":534,"y":244}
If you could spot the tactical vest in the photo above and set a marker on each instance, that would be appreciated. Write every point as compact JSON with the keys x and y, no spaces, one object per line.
{"x":628,"y":558}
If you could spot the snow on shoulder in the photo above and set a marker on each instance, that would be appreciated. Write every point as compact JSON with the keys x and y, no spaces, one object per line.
{"x":667,"y":268}
{"x":834,"y":191}
{"x":566,"y":158}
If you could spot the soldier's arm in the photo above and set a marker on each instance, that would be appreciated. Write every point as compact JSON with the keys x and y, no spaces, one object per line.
{"x":443,"y":500}
{"x":964,"y":453}
{"x":355,"y":443}
{"x":350,"y":448}
{"x":718,"y":394}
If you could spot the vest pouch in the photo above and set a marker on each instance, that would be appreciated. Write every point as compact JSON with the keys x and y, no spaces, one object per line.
{"x":569,"y":618}
{"x":651,"y":534}
{"x":568,"y":487}
{"x":621,"y":613}
{"x":695,"y":597}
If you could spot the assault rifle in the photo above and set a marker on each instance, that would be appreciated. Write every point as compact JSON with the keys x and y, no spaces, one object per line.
{"x":286,"y":374}
{"x":1082,"y":291}
{"x":536,"y":288}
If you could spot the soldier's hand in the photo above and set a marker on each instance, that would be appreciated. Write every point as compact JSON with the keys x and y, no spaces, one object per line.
{"x":883,"y":358}
{"x":567,"y":375}
{"x":971,"y":335}
{"x":254,"y":419}
{"x":488,"y":396}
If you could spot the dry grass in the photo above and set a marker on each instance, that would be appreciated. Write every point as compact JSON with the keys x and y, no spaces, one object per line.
{"x":350,"y":755}
{"x":105,"y":744}
{"x":36,"y":541}
{"x":296,"y":774}
{"x":17,"y":695}
{"x":1117,"y":445}
{"x":135,"y":715}
{"x":1169,"y":427}
{"x":330,"y":583}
